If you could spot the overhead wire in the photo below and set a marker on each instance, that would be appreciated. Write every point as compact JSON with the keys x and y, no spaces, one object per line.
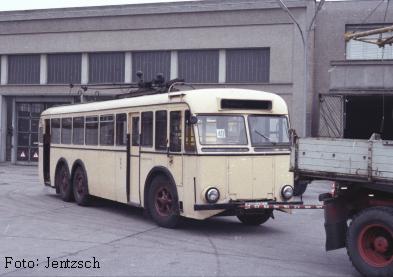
{"x":372,"y":12}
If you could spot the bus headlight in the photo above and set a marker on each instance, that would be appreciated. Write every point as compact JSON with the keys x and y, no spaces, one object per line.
{"x":212,"y":195}
{"x":287,"y":192}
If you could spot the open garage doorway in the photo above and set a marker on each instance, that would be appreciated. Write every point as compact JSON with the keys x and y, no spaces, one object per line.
{"x":356,"y":116}
{"x":365,"y":115}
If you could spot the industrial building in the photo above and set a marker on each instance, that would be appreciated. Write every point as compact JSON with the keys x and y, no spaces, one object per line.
{"x":48,"y":55}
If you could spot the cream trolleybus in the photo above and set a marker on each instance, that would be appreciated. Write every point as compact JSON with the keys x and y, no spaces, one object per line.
{"x":194,"y":154}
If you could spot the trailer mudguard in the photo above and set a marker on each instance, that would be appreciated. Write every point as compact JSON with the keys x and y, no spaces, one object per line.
{"x":336,"y":216}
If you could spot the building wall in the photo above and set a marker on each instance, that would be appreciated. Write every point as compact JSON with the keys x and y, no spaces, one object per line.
{"x":335,"y":74}
{"x":215,"y":24}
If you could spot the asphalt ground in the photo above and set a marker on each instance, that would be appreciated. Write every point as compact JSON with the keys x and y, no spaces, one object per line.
{"x":35,"y":225}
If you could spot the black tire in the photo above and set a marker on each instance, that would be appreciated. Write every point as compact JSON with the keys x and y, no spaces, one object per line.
{"x":255,"y":219}
{"x":300,"y":188}
{"x":163,"y":203}
{"x":80,"y":187}
{"x":370,"y":241}
{"x":63,"y":183}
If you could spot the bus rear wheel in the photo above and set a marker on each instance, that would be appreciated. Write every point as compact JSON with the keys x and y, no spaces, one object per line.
{"x":80,"y":187}
{"x":163,"y":204}
{"x":63,"y":183}
{"x":255,"y":219}
{"x":370,"y":241}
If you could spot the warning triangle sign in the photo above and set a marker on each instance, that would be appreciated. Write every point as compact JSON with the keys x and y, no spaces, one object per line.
{"x":23,"y":155}
{"x":35,"y":155}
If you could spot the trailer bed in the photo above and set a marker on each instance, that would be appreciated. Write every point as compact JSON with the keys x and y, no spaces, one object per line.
{"x":343,"y":159}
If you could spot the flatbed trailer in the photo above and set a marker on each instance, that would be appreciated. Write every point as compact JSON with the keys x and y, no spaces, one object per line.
{"x":359,"y":208}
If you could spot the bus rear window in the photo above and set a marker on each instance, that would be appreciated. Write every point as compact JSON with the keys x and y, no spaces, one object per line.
{"x":91,"y":133}
{"x":222,"y":130}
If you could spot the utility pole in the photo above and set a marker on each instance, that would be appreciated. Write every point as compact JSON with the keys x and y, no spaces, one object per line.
{"x":305,"y":40}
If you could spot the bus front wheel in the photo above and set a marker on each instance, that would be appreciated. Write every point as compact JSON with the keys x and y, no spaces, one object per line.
{"x":163,"y":204}
{"x":255,"y":219}
{"x":81,"y":191}
{"x":63,"y":183}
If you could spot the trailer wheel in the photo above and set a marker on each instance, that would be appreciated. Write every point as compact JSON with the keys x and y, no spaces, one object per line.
{"x":370,"y":241}
{"x":255,"y":219}
{"x":163,"y":204}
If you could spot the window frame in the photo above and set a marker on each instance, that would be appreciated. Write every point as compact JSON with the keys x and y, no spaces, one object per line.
{"x":150,"y":142}
{"x":239,"y":80}
{"x":171,"y":135}
{"x":267,"y":144}
{"x":190,"y":127}
{"x":59,"y":130}
{"x":161,"y":134}
{"x":73,"y":130}
{"x":247,"y":142}
{"x":88,"y":122}
{"x":104,"y":121}
{"x":62,"y":135}
{"x":125,"y":122}
{"x":135,"y":138}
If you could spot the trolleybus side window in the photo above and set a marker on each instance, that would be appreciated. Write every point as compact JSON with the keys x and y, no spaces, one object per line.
{"x":78,"y":130}
{"x":175,"y":131}
{"x":135,"y":131}
{"x":121,"y":129}
{"x":161,"y":130}
{"x":189,"y":138}
{"x":55,"y":130}
{"x":147,"y":129}
{"x":91,"y":132}
{"x":66,"y":130}
{"x":107,"y":131}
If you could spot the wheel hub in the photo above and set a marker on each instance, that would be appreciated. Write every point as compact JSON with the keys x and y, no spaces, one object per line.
{"x":79,"y":184}
{"x":163,"y":202}
{"x":64,"y":181}
{"x":375,"y":244}
{"x":381,"y":244}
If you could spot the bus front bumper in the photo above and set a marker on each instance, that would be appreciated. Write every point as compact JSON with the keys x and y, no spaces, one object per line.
{"x":240,"y":205}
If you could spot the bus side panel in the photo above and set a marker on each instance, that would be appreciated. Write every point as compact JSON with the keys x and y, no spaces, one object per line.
{"x":120,"y":166}
{"x":100,"y":167}
{"x":147,"y":162}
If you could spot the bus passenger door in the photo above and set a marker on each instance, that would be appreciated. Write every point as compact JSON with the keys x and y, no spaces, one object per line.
{"x":133,"y":168}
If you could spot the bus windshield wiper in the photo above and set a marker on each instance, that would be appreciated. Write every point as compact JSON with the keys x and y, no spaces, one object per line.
{"x":266,"y":137}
